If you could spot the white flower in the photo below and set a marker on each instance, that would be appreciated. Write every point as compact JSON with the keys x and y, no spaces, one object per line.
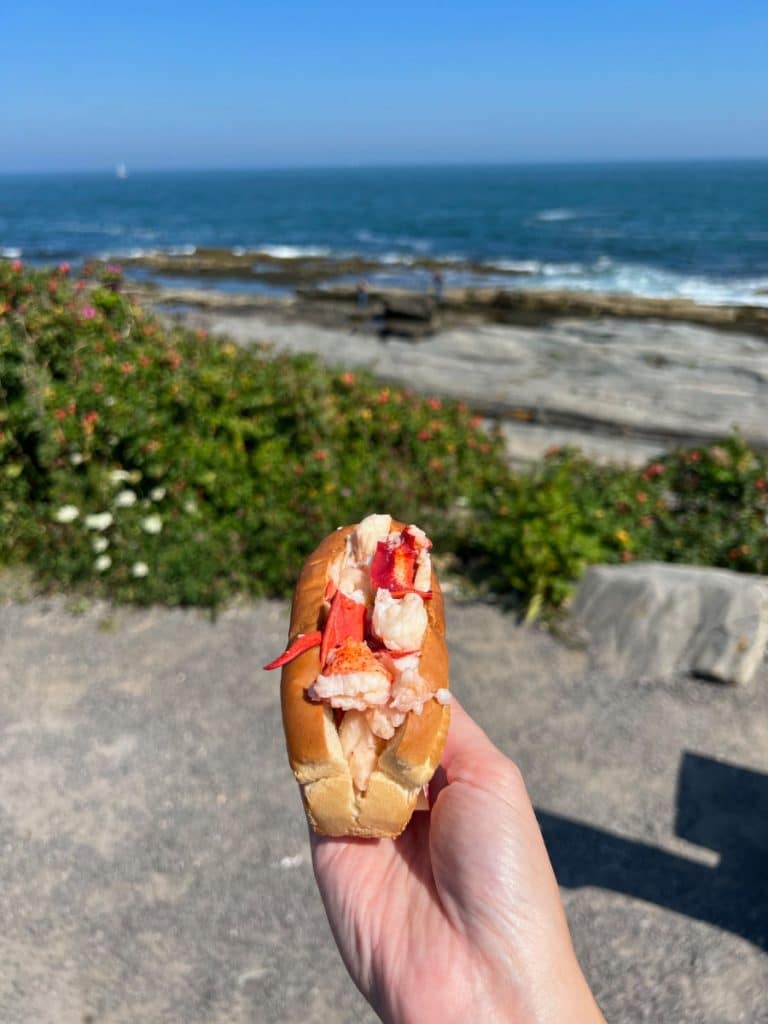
{"x":139,"y":569}
{"x":119,"y":476}
{"x":157,"y":493}
{"x":102,"y":563}
{"x":99,"y":544}
{"x":99,"y":521}
{"x":66,"y":514}
{"x":190,"y":507}
{"x":77,"y":458}
{"x":125,"y":499}
{"x":152,"y":524}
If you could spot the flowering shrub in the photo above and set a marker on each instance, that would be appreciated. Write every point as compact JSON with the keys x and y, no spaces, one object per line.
{"x":536,"y":533}
{"x":159,"y":465}
{"x":162,"y":465}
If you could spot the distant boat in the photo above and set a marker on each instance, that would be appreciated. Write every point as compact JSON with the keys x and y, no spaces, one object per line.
{"x":121,"y":171}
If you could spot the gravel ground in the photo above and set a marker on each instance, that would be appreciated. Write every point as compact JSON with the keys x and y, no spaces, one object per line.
{"x":154,"y":856}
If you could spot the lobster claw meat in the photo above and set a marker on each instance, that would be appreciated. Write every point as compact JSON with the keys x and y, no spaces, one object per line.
{"x":393,"y":567}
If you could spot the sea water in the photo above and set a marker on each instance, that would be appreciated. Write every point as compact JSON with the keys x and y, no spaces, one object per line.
{"x":696,"y":230}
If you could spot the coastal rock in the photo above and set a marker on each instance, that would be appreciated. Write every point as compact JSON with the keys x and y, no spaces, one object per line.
{"x":650,"y":620}
{"x":409,"y":307}
{"x":522,"y":306}
{"x":536,"y":307}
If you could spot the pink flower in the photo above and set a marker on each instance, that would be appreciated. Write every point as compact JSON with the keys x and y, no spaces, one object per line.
{"x":16,"y":265}
{"x":87,"y":312}
{"x":64,"y":268}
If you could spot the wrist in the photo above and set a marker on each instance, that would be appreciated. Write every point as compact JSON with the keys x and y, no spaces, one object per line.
{"x":561,"y":993}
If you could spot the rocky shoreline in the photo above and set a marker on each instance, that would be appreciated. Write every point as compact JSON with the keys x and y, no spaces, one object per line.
{"x":620,"y":377}
{"x":312,"y":289}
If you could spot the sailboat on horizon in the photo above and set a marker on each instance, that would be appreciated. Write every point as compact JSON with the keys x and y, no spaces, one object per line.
{"x":121,"y":171}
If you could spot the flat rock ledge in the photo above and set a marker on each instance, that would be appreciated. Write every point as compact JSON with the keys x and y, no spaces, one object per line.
{"x":649,"y":620}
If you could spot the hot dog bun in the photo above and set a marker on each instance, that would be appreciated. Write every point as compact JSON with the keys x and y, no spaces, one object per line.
{"x":408,"y":760}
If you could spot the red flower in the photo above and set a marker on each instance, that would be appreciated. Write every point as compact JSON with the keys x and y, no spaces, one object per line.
{"x":695,"y":456}
{"x":760,"y":483}
{"x":16,"y":265}
{"x":383,"y":396}
{"x":434,"y":403}
{"x":655,"y":469}
{"x":127,"y":368}
{"x":424,"y":435}
{"x":89,"y":421}
{"x":320,"y":455}
{"x":641,"y":497}
{"x":348,"y":378}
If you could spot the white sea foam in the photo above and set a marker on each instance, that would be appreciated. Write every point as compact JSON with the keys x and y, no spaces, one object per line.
{"x":561,"y":269}
{"x":556,"y":214}
{"x":10,"y":252}
{"x":516,"y":266}
{"x":291,"y":252}
{"x":408,"y":241}
{"x":610,"y":277}
{"x":182,"y":250}
{"x":394,"y":259}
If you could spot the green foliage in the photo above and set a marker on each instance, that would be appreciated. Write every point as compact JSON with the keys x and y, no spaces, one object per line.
{"x":536,"y":533}
{"x":149,"y":464}
{"x":212,"y":470}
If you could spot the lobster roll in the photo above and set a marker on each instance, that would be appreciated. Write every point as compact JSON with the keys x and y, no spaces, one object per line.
{"x":364,"y":690}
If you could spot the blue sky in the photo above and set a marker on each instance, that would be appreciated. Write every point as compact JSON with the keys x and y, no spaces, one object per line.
{"x":247,"y":84}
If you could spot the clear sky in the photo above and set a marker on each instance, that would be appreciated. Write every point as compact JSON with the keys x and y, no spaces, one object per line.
{"x":168,"y":84}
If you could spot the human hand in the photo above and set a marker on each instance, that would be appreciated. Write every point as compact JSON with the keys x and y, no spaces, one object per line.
{"x":460,"y":918}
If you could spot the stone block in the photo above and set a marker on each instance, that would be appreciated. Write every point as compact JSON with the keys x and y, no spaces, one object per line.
{"x":651,"y":620}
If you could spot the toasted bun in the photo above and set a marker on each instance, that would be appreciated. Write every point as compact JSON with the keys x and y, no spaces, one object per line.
{"x":408,"y":760}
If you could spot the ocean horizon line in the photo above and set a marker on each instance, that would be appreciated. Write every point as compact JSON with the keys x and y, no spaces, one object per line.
{"x":460,"y":165}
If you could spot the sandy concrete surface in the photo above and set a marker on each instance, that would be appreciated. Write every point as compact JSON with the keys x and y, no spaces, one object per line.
{"x":154,"y":856}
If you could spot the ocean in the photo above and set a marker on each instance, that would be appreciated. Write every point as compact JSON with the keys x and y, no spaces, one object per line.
{"x":695,"y":230}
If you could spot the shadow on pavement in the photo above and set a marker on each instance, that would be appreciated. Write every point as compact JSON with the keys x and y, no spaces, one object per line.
{"x":720,"y":806}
